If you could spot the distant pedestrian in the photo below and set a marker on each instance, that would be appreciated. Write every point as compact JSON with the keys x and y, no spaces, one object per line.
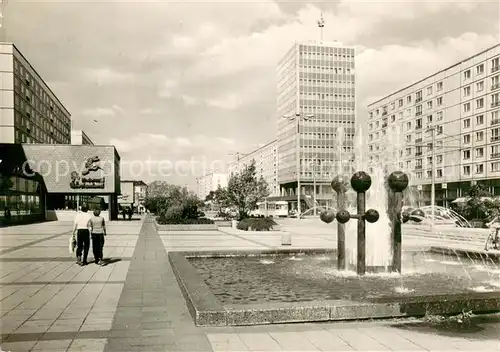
{"x":82,"y":230}
{"x":130,"y":213}
{"x":98,"y":231}
{"x":7,"y":215}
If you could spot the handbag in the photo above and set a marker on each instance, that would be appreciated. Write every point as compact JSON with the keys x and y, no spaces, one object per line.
{"x":72,"y":244}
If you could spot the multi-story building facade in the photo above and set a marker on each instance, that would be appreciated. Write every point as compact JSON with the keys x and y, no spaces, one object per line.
{"x":458,"y":107}
{"x":29,"y":111}
{"x":266,"y":165}
{"x":140,"y":190}
{"x":210,"y":182}
{"x":79,"y":137}
{"x":315,"y":80}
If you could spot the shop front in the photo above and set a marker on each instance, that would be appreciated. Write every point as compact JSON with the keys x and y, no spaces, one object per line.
{"x":53,"y":181}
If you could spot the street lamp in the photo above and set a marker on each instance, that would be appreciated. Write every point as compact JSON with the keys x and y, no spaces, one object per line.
{"x":297,"y":117}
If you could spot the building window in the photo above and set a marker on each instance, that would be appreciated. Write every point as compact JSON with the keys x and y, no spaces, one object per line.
{"x":439,"y":115}
{"x":467,"y":139}
{"x":479,"y":103}
{"x":479,"y":152}
{"x":429,"y":119}
{"x":479,"y":119}
{"x":495,"y":64}
{"x":466,"y":91}
{"x":429,"y":104}
{"x":466,"y":123}
{"x":495,"y":100}
{"x":467,"y":75}
{"x":495,"y":82}
{"x":479,"y":168}
{"x":495,"y":167}
{"x":466,"y":107}
{"x":439,"y":101}
{"x":466,"y":154}
{"x":480,"y":69}
{"x":479,"y":136}
{"x":439,"y":159}
{"x":439,"y":173}
{"x":429,"y":90}
{"x":408,"y":99}
{"x":467,"y":170}
{"x":480,"y":86}
{"x":439,"y":86}
{"x":418,"y":96}
{"x":439,"y":130}
{"x":400,"y":103}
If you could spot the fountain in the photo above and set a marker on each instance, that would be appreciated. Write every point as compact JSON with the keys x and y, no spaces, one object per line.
{"x":318,"y":284}
{"x":360,"y":183}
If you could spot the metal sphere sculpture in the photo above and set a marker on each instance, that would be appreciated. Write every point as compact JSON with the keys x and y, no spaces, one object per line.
{"x":398,"y":181}
{"x":327,"y":216}
{"x":372,"y":216}
{"x":343,"y":216}
{"x":361,"y":182}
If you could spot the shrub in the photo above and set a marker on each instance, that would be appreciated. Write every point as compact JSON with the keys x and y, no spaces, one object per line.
{"x":172,"y":215}
{"x":257,"y":224}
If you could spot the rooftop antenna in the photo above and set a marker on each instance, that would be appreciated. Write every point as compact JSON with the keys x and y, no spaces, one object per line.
{"x":321,"y":25}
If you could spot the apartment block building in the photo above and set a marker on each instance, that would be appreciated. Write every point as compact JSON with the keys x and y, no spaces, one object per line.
{"x":449,"y":121}
{"x":29,"y":111}
{"x":210,"y":182}
{"x":266,"y":163}
{"x":316,"y":87}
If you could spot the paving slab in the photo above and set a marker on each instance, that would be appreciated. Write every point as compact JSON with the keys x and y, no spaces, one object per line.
{"x":135,"y":304}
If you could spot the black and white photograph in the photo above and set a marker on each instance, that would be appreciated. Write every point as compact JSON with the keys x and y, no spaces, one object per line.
{"x":252,"y":175}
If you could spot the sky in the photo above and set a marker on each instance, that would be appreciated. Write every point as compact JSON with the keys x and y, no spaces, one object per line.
{"x":180,"y":86}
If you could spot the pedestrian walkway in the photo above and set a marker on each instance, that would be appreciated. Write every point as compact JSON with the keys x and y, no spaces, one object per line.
{"x":134,"y":304}
{"x":151,"y":313}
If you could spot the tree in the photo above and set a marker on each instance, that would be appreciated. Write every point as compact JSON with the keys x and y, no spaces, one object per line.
{"x":244,"y":190}
{"x":161,"y":195}
{"x":478,"y":206}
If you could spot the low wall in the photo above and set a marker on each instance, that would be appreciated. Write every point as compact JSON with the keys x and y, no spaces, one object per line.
{"x":194,"y":227}
{"x":223,"y":223}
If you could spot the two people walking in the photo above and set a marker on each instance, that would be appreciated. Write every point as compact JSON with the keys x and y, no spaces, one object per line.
{"x":89,"y":226}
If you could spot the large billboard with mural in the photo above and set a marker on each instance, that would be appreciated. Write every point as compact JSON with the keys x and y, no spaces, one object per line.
{"x":75,"y":169}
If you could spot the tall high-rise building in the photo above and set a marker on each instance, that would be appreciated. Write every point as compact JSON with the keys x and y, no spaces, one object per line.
{"x":29,"y":111}
{"x":315,"y":100}
{"x":458,"y":107}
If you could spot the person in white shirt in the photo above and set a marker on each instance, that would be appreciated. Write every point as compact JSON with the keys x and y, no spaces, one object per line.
{"x":82,"y":228}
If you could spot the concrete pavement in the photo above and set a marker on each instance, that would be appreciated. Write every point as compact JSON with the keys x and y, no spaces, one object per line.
{"x":134,"y":304}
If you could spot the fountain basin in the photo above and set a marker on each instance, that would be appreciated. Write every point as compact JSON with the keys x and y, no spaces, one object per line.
{"x":283,"y":286}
